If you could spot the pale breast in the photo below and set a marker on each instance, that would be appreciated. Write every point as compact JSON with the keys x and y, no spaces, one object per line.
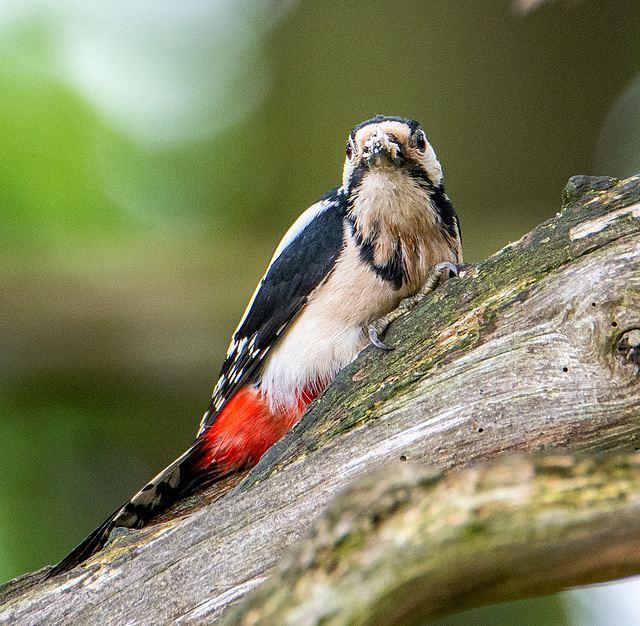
{"x":328,"y":334}
{"x":331,"y":329}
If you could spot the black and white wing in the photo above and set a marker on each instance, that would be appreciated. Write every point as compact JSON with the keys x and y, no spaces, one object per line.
{"x":303,"y":260}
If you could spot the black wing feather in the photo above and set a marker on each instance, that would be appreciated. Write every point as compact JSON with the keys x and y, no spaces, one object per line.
{"x":283,"y":292}
{"x":446,"y":212}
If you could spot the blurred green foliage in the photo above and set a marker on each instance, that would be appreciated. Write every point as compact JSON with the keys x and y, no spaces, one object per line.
{"x":151,"y":158}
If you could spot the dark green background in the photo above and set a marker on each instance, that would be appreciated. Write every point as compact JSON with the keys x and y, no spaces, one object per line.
{"x":130,"y":244}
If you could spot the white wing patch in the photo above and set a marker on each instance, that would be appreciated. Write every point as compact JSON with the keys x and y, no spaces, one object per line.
{"x":299,"y":225}
{"x":290,"y":236}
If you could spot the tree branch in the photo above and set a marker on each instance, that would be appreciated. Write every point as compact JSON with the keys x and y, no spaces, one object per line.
{"x":420,"y":544}
{"x":535,"y":348}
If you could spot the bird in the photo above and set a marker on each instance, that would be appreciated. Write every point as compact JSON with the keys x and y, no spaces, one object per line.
{"x":388,"y":234}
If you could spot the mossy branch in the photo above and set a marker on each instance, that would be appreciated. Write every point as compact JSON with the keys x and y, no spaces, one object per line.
{"x":420,"y":544}
{"x":535,"y":348}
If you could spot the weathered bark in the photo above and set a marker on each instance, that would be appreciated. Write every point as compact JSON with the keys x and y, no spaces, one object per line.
{"x":534,"y":348}
{"x":421,"y":544}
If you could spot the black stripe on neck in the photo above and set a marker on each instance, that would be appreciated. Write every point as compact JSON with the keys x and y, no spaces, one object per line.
{"x":419,"y":174}
{"x":356,"y":178}
{"x":446,"y":212}
{"x":394,"y":271}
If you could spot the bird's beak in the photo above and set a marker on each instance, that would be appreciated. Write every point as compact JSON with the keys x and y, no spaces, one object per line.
{"x":379,"y":149}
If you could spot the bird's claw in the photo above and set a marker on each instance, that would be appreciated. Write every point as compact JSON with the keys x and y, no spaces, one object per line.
{"x":436,"y":276}
{"x":380,"y":326}
{"x":450,"y":266}
{"x":375,"y":340}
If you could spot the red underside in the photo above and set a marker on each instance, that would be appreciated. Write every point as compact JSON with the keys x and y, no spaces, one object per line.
{"x":246,"y":428}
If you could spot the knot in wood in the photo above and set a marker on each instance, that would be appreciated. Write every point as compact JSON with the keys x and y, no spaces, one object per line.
{"x":629,"y":346}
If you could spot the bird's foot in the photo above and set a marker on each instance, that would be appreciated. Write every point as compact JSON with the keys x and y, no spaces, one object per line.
{"x":437,"y":275}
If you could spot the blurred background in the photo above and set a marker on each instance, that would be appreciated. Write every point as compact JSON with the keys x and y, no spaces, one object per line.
{"x":153,"y":153}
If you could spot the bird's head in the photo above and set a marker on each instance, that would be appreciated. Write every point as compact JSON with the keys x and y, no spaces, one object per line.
{"x":390,"y":143}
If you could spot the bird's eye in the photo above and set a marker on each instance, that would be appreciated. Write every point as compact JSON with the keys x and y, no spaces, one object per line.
{"x":421,"y":141}
{"x":349,"y":150}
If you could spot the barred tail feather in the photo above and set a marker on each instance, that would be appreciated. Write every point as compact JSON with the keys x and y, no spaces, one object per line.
{"x":241,"y":433}
{"x":182,"y":478}
{"x":89,"y":546}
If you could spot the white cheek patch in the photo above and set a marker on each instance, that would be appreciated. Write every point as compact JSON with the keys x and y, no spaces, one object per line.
{"x":432,"y":165}
{"x":346,"y":174}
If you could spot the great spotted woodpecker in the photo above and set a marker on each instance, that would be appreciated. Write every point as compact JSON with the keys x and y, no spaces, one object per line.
{"x":387,"y":233}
